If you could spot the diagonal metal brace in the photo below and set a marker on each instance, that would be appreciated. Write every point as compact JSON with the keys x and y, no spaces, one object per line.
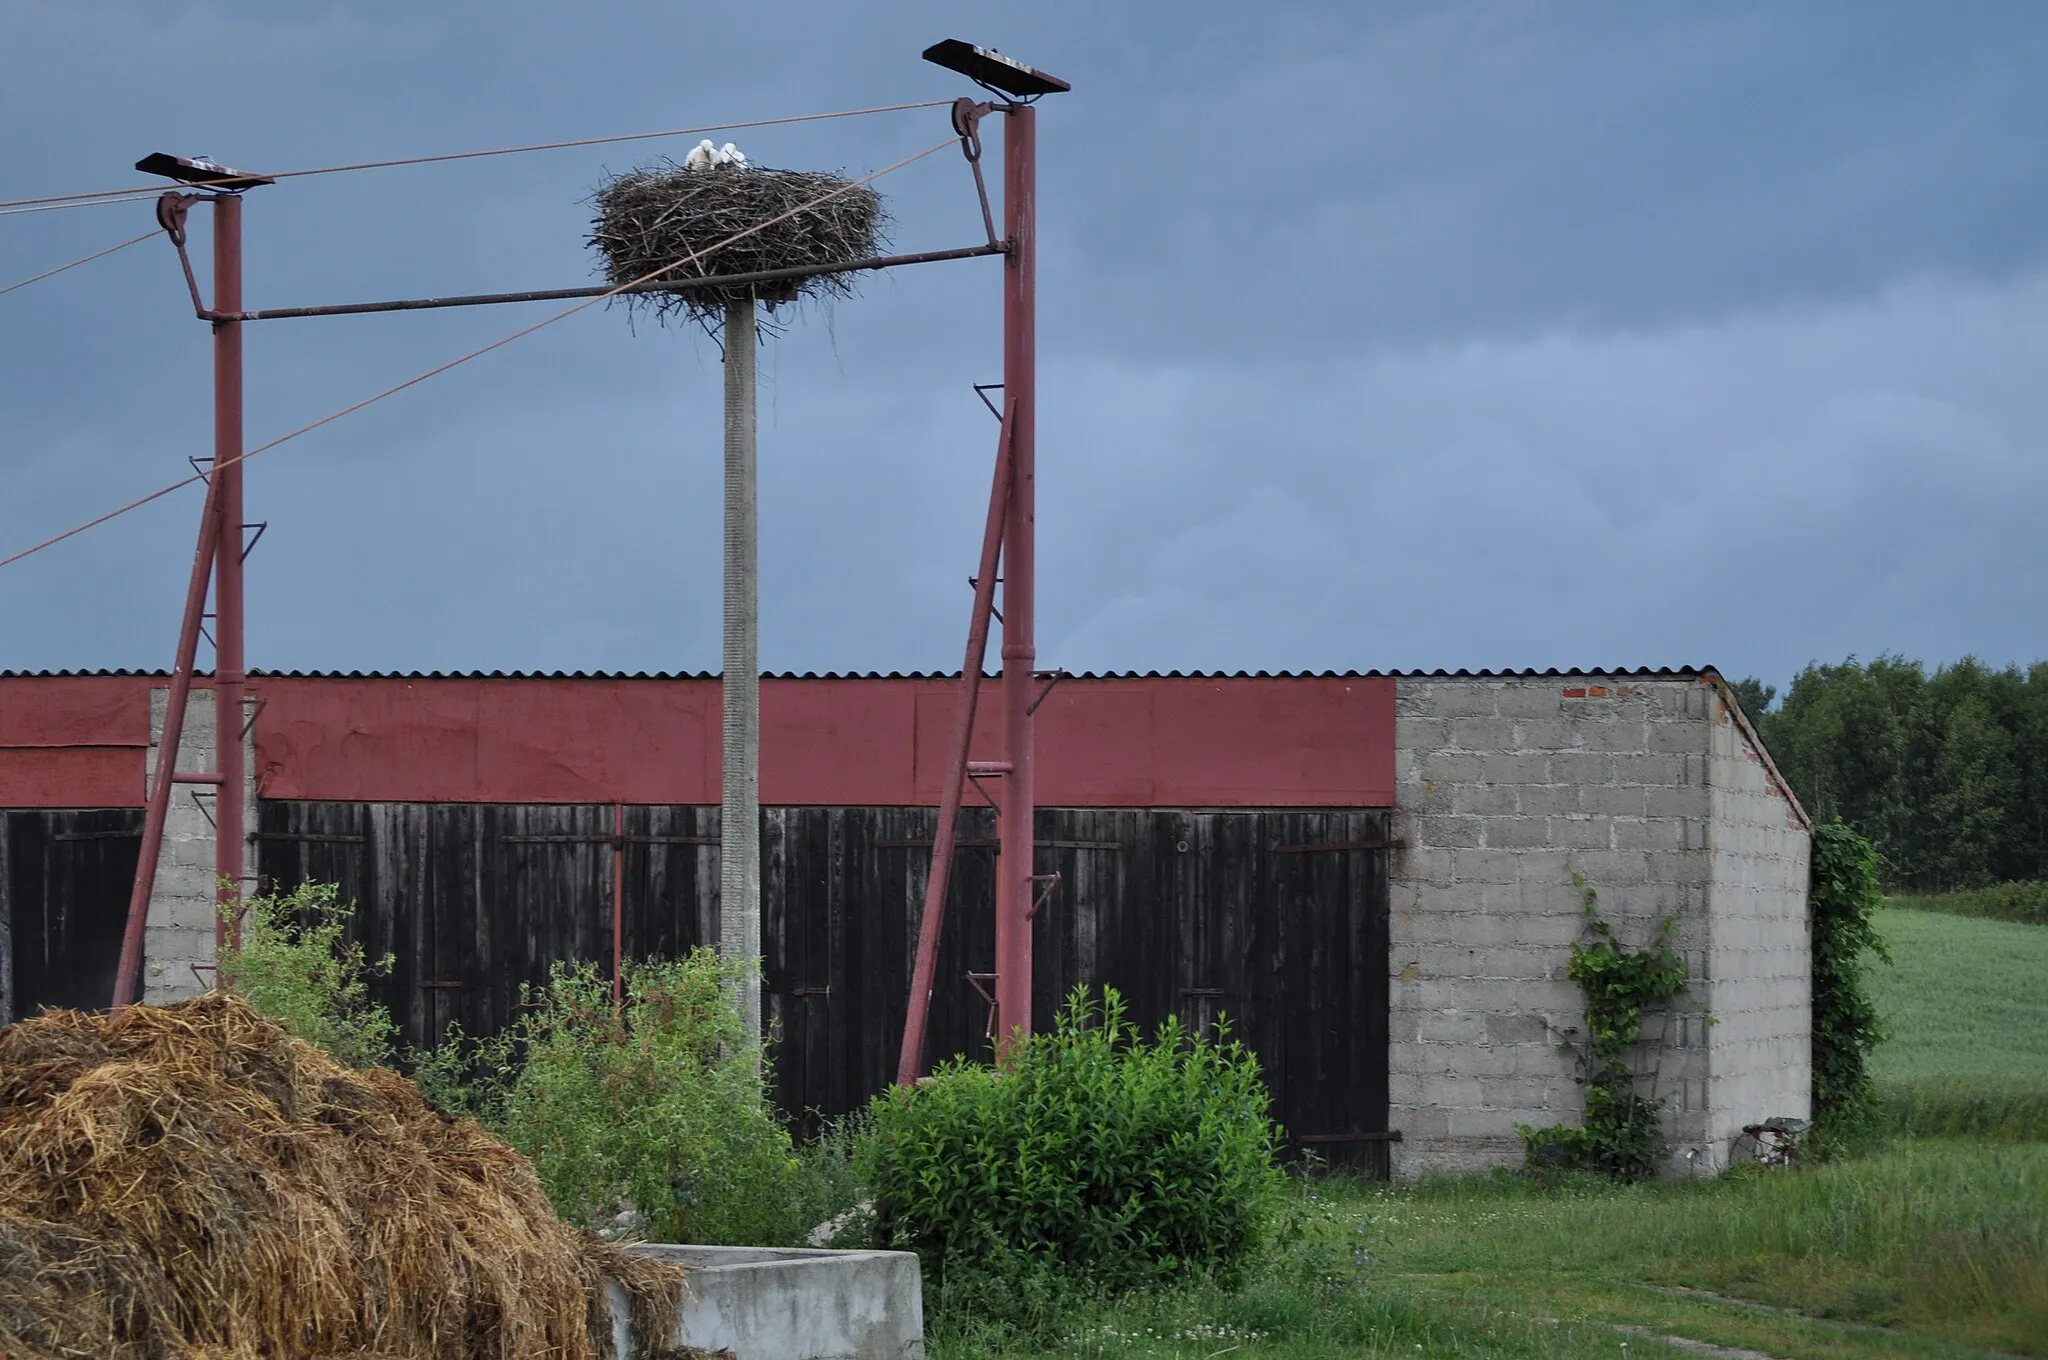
{"x":975,"y":980}
{"x":1051,"y":678}
{"x":1051,"y":882}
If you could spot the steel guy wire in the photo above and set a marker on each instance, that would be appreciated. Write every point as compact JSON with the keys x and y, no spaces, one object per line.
{"x":106,"y":195}
{"x":477,"y":353}
{"x":83,"y":259}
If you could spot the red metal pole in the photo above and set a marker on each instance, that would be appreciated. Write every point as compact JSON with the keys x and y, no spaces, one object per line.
{"x":1020,"y":652}
{"x":129,"y":973}
{"x":912,"y":1056}
{"x":618,"y":903}
{"x":230,"y":847}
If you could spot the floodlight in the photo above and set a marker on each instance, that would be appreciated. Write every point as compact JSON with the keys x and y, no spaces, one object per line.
{"x":986,"y":66}
{"x":197,"y":170}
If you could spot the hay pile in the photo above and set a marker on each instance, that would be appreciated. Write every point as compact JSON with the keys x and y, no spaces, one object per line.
{"x":653,"y":217}
{"x":191,"y":1181}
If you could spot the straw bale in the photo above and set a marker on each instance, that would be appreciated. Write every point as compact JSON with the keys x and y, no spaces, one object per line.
{"x":657,"y":216}
{"x":190,"y":1181}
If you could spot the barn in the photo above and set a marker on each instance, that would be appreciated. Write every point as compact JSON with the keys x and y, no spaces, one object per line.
{"x":1370,"y":875}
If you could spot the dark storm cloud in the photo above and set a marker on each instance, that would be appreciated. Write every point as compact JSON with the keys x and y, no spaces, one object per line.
{"x":1389,"y":335}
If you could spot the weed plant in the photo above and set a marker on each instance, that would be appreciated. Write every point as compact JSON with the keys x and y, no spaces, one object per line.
{"x":295,"y":965}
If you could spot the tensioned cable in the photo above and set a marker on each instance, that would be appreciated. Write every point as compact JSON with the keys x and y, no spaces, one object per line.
{"x":84,"y":259}
{"x":152,"y":190}
{"x":133,"y":197}
{"x":478,"y":353}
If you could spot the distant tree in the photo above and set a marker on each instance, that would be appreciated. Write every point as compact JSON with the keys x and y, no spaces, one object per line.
{"x":1969,"y":797}
{"x":1947,"y":774}
{"x":1755,"y":696}
{"x":1838,"y":741}
{"x":2029,"y":828}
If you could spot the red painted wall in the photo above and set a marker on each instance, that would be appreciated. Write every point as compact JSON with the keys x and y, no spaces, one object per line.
{"x":73,"y":741}
{"x":1312,"y":742}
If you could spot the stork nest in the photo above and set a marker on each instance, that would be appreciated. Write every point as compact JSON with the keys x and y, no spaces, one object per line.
{"x":664,"y":215}
{"x":191,"y":1181}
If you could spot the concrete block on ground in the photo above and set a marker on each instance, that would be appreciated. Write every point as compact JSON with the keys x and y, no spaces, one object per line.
{"x":786,"y":1303}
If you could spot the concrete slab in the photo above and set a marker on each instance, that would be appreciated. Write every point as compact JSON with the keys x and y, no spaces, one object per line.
{"x":792,"y":1303}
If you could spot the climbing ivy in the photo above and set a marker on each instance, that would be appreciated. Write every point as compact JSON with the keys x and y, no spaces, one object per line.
{"x":1622,"y":1136}
{"x":1845,"y":1021}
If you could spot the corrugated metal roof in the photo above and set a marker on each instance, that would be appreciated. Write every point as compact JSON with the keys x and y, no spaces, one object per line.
{"x":1527,"y":673}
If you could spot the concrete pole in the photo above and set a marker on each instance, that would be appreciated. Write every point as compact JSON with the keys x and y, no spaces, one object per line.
{"x":739,"y":846}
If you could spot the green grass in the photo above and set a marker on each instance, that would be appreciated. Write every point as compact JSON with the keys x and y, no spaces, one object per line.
{"x":2026,"y":903}
{"x":1944,"y":1240}
{"x":1966,"y":1002}
{"x":1934,"y":1247}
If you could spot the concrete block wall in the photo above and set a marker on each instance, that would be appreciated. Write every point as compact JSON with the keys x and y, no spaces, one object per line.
{"x":1760,"y":956}
{"x":1656,"y":792}
{"x":178,"y":939}
{"x":1505,"y":787}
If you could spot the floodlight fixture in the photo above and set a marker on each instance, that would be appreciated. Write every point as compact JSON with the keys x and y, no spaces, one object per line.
{"x":986,"y":66}
{"x":199,"y":170}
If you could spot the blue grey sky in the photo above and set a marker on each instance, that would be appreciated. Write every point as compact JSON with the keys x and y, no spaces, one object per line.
{"x":1372,"y":335}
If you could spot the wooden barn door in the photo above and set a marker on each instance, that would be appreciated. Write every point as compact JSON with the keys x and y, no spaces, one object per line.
{"x":64,"y":883}
{"x":1272,"y":921}
{"x":1327,"y":899}
{"x":842,"y":894}
{"x":468,"y":900}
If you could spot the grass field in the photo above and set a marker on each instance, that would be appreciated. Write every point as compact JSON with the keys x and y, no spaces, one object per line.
{"x":1966,"y":1001}
{"x":1935,"y":1246}
{"x":1934,"y":1249}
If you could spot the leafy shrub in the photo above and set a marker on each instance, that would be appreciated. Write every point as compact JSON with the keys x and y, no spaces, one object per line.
{"x":1843,"y":897}
{"x":660,"y":1103}
{"x":1623,"y":1135}
{"x":1092,"y":1155}
{"x":295,"y":966}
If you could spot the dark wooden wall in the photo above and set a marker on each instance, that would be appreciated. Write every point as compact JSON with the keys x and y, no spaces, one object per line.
{"x":65,"y":876}
{"x":1274,"y":919}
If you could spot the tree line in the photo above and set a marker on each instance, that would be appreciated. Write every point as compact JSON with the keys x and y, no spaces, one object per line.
{"x":1947,"y":772}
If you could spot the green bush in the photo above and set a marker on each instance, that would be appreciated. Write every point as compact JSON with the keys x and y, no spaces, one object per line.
{"x":1093,"y":1155}
{"x":294,"y":967}
{"x":660,"y":1103}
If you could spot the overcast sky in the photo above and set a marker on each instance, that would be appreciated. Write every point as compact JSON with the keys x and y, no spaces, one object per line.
{"x":1372,"y":335}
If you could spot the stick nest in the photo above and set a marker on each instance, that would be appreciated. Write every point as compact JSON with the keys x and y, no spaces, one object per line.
{"x":190,"y":1181}
{"x":650,"y":218}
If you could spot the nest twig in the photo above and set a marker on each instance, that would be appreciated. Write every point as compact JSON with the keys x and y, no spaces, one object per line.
{"x":658,"y":216}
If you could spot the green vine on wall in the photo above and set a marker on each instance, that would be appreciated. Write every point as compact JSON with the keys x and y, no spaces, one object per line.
{"x":1622,"y":1136}
{"x":1846,"y":1025}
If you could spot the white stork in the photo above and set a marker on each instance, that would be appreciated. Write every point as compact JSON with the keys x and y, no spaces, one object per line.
{"x":702,"y":157}
{"x":732,"y":155}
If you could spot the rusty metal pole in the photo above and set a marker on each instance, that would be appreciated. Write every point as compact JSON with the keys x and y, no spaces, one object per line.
{"x":230,"y":847}
{"x":618,"y":904}
{"x":1020,"y":652}
{"x":128,"y":975}
{"x":739,"y":828}
{"x":929,"y":925}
